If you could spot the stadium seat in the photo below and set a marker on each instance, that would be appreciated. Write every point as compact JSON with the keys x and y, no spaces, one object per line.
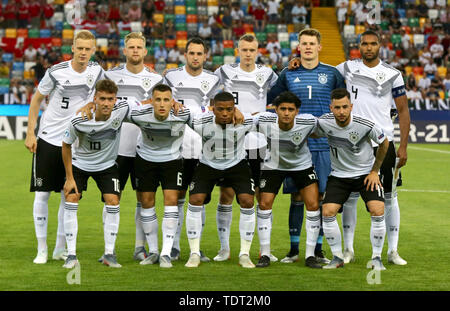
{"x":384,"y":25}
{"x":419,"y":40}
{"x":408,"y":70}
{"x":180,"y":27}
{"x":401,"y":13}
{"x":191,"y":19}
{"x":285,"y":45}
{"x":123,"y":33}
{"x":417,"y":70}
{"x":180,"y":10}
{"x":7,"y":57}
{"x":181,"y":43}
{"x":290,"y":28}
{"x":11,"y":33}
{"x":228,"y":44}
{"x":283,"y":36}
{"x":4,"y":82}
{"x":17,"y":74}
{"x":191,"y":3}
{"x":396,"y":39}
{"x":66,"y":49}
{"x":202,"y":10}
{"x":67,"y":57}
{"x":293,"y":45}
{"x":271,"y":28}
{"x":102,"y":42}
{"x":192,"y":29}
{"x":59,"y":26}
{"x":104,"y":49}
{"x":58,"y":17}
{"x":180,"y":19}
{"x":28,"y":65}
{"x":179,"y":2}
{"x":229,"y":59}
{"x":212,"y":10}
{"x":158,"y":42}
{"x":442,"y":71}
{"x":67,"y":34}
{"x":66,"y":25}
{"x":349,"y":30}
{"x":422,"y":21}
{"x":181,"y":35}
{"x":167,"y":17}
{"x":121,"y":43}
{"x":228,"y":52}
{"x":28,"y":74}
{"x":282,"y":28}
{"x":22,"y":33}
{"x":413,"y":22}
{"x":263,"y":51}
{"x":286,"y":52}
{"x":171,"y":66}
{"x":45,"y":33}
{"x":213,"y":3}
{"x":18,"y":66}
{"x":136,"y":26}
{"x":293,"y":37}
{"x":359,"y":29}
{"x":159,"y":18}
{"x":248,"y":28}
{"x":150,"y":50}
{"x":59,"y":2}
{"x":217,"y":60}
{"x":433,"y":14}
{"x":191,"y":10}
{"x":354,"y":53}
{"x":261,"y":36}
{"x":407,"y":29}
{"x":171,"y":43}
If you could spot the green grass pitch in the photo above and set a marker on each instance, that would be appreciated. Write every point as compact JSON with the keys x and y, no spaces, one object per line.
{"x":425,"y":228}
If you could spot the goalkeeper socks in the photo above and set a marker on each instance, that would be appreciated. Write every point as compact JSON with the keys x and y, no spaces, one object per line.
{"x":295,"y":224}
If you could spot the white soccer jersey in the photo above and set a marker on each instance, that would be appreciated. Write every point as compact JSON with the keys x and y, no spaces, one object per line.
{"x":372,"y":91}
{"x":351,"y":149}
{"x":287,"y":150}
{"x":160,"y":141}
{"x":98,"y":140}
{"x":250,"y":93}
{"x":194,"y":93}
{"x":68,"y":91}
{"x":222,"y":147}
{"x":132,"y":86}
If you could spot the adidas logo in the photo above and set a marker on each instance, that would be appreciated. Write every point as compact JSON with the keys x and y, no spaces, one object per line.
{"x":297,"y":80}
{"x":67,"y":82}
{"x":180,"y":84}
{"x":120,"y":81}
{"x":235,"y":77}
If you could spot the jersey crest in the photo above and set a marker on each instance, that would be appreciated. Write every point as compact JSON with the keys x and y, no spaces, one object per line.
{"x":90,"y":80}
{"x":322,"y":78}
{"x":146,"y":84}
{"x":259,"y":78}
{"x":116,"y":123}
{"x":380,"y":77}
{"x":204,"y":86}
{"x":297,"y":137}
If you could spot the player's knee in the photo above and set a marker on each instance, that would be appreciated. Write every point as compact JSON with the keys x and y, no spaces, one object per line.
{"x":265,"y":205}
{"x":312,"y":205}
{"x":376,"y":208}
{"x":246,"y":202}
{"x":196,"y":200}
{"x":226,"y":196}
{"x":328,"y":211}
{"x":147,"y":202}
{"x":73,"y":198}
{"x":112,"y":200}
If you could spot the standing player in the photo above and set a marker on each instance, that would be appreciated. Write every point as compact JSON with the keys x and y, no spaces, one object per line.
{"x":312,"y":82}
{"x":193,"y":87}
{"x":287,"y":133}
{"x":95,"y":156}
{"x":135,"y":83}
{"x":69,"y":85}
{"x":354,"y":169}
{"x":249,"y":84}
{"x":374,"y":85}
{"x":223,"y":159}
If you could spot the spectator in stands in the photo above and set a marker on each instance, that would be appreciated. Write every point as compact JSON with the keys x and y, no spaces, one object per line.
{"x":309,"y":6}
{"x":134,"y":13}
{"x":18,"y":93}
{"x":48,"y":12}
{"x":272,"y":11}
{"x":342,"y":7}
{"x":4,"y":70}
{"x":113,"y":31}
{"x":148,"y":8}
{"x":227,"y":24}
{"x":271,"y":44}
{"x":113,"y":52}
{"x":430,"y":69}
{"x":422,"y":9}
{"x":124,"y":24}
{"x":437,"y":51}
{"x":361,"y":16}
{"x":299,"y":12}
{"x":174,"y":55}
{"x":102,"y":28}
{"x":42,"y":50}
{"x":287,"y":11}
{"x":169,"y":31}
{"x":10,"y":14}
{"x":425,"y":57}
{"x":53,"y":57}
{"x":432,"y":93}
{"x":411,"y":82}
{"x":91,"y":12}
{"x":259,"y":13}
{"x":236,"y":13}
{"x":224,"y":5}
{"x":276,"y":58}
{"x":35,"y":14}
{"x":385,"y":52}
{"x":19,"y":52}
{"x":446,"y":82}
{"x":356,"y":7}
{"x":217,"y":48}
{"x":30,"y":53}
{"x":161,"y":53}
{"x":216,"y":32}
{"x":39,"y":69}
{"x":406,"y":39}
{"x":238,"y":29}
{"x":204,"y":31}
{"x":182,"y":58}
{"x":158,"y":31}
{"x":424,"y":83}
{"x":114,"y":11}
{"x":414,"y":94}
{"x":159,"y":5}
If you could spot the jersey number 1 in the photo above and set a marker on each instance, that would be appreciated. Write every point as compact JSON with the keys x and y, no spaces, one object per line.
{"x":310,"y":91}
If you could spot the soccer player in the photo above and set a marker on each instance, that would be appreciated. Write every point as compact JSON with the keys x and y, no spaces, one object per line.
{"x":374,"y":85}
{"x":223,"y":159}
{"x":249,"y":84}
{"x":69,"y":85}
{"x":193,"y":87}
{"x":287,"y":133}
{"x":135,"y":82}
{"x":95,"y":156}
{"x":312,"y":82}
{"x":354,"y":169}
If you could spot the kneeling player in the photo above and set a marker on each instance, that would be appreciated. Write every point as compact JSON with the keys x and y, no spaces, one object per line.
{"x":94,"y":157}
{"x":289,"y":156}
{"x":223,"y":159}
{"x":354,"y":169}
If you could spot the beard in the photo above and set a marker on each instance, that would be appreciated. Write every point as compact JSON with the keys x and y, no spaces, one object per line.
{"x":134,"y":61}
{"x":371,"y":58}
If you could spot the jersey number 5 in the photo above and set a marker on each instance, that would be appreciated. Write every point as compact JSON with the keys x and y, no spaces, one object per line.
{"x":65,"y":103}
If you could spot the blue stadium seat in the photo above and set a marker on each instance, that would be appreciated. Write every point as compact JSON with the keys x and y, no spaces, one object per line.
{"x":45,"y":33}
{"x":7,"y":57}
{"x":401,"y":13}
{"x":286,"y":52}
{"x":4,"y":90}
{"x":59,"y":26}
{"x":293,"y":36}
{"x":179,"y":2}
{"x":180,"y":19}
{"x":122,"y":43}
{"x":18,"y":66}
{"x":244,"y":9}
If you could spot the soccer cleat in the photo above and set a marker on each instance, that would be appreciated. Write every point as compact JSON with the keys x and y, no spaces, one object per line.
{"x":110,"y":260}
{"x":140,"y":253}
{"x":174,"y":254}
{"x":41,"y":257}
{"x":320,"y":256}
{"x":290,"y":258}
{"x":222,"y":255}
{"x":394,"y":257}
{"x":377,"y":264}
{"x":349,"y":256}
{"x":312,"y":262}
{"x":100,"y":259}
{"x":194,"y":261}
{"x":165,"y":262}
{"x":204,"y":258}
{"x":335,"y":263}
{"x":273,"y":258}
{"x":263,"y":262}
{"x":151,"y":259}
{"x":245,"y":262}
{"x":71,"y":261}
{"x":59,"y":254}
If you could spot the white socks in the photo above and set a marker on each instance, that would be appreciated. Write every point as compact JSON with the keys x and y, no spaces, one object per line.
{"x":111,"y":227}
{"x":60,"y":236}
{"x":194,"y":227}
{"x":246,"y":229}
{"x":71,"y":226}
{"x":312,"y":231}
{"x":392,"y":213}
{"x":264,"y":225}
{"x":169,"y":228}
{"x":140,"y":235}
{"x":40,"y":216}
{"x":176,"y":241}
{"x":349,"y":220}
{"x":149,"y":223}
{"x":377,"y":233}
{"x":224,"y":217}
{"x":333,"y":235}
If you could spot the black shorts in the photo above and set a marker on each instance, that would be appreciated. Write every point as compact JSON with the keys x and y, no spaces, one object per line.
{"x":107,"y":180}
{"x":387,"y":168}
{"x":126,"y":168}
{"x":339,"y":189}
{"x":271,"y":180}
{"x":237,"y":177}
{"x":150,"y":174}
{"x":47,"y":171}
{"x":189,"y":166}
{"x":255,"y":166}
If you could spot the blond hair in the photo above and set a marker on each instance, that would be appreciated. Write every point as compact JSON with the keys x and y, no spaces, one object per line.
{"x":310,"y":32}
{"x":135,"y":35}
{"x":84,"y":35}
{"x":248,"y":37}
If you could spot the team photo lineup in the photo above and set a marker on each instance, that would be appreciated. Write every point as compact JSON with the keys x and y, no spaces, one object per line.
{"x":322,"y":135}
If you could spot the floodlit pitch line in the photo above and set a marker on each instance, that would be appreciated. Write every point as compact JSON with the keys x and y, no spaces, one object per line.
{"x":426,"y":149}
{"x":434,"y":191}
